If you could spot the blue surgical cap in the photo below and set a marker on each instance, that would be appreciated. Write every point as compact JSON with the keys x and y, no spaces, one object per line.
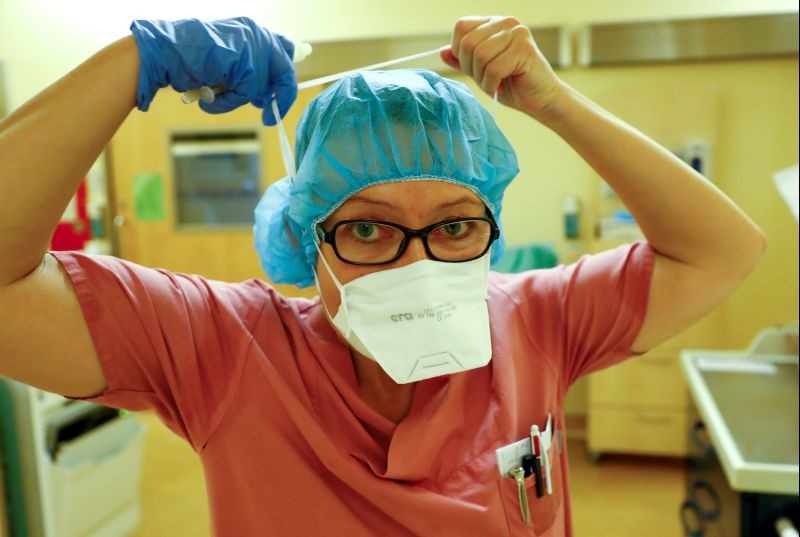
{"x":374,"y":127}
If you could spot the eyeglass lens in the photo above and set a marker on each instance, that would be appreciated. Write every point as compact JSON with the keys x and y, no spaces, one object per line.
{"x":369,"y":242}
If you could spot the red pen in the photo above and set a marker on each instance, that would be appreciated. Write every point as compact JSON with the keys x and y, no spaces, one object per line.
{"x":536,"y":439}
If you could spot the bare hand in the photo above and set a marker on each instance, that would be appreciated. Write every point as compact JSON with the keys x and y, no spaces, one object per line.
{"x":500,"y":54}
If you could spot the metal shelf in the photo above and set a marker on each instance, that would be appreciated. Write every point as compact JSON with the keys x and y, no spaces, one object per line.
{"x":715,"y":38}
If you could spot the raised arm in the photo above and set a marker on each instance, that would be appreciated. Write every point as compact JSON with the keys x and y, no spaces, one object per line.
{"x":49,"y":144}
{"x":705,"y":245}
{"x":46,"y":148}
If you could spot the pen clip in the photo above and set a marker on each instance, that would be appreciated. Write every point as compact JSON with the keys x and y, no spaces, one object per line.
{"x":540,"y":446}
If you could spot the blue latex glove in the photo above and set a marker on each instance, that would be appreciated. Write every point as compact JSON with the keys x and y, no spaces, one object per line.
{"x":253,"y":64}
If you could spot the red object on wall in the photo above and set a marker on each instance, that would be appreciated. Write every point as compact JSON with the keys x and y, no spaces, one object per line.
{"x":74,"y":231}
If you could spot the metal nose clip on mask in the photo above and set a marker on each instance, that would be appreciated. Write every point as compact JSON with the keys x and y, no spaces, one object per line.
{"x":423,"y":320}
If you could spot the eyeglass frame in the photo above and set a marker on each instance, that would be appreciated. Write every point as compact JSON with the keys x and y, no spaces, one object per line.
{"x":329,"y":237}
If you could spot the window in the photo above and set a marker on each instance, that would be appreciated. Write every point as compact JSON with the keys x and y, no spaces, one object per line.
{"x":217,"y":176}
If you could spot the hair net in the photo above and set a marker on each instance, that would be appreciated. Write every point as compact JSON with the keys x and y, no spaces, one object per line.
{"x":376,"y":127}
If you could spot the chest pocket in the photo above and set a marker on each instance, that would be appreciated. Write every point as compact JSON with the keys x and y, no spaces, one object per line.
{"x":544,"y":510}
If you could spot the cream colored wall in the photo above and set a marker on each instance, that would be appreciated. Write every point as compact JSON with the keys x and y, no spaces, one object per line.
{"x":756,"y":133}
{"x":42,"y":39}
{"x":760,"y":129}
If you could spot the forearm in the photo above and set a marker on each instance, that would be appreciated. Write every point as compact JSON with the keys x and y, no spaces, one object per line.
{"x":682,"y":215}
{"x":48,"y":145}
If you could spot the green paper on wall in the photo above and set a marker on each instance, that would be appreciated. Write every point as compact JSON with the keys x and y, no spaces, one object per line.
{"x":148,"y":197}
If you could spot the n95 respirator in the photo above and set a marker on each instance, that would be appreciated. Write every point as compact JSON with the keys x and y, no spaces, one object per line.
{"x":423,"y":320}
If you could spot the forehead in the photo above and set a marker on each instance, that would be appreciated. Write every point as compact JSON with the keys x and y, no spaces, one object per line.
{"x":420,"y":197}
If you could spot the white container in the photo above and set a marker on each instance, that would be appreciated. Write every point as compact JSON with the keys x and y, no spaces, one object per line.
{"x":95,"y":481}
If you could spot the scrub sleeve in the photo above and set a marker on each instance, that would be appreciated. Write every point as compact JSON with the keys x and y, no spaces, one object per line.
{"x":263,"y":390}
{"x":168,"y":342}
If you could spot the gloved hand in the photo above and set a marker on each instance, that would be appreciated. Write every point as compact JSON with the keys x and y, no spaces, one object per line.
{"x":253,"y":64}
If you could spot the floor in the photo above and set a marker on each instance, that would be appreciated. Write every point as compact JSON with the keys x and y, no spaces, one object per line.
{"x":173,"y":488}
{"x":625,"y":496}
{"x":618,"y":497}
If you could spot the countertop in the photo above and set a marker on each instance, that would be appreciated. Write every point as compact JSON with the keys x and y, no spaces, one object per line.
{"x":749,"y":403}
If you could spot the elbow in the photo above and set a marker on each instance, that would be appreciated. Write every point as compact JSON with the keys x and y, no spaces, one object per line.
{"x":760,"y":245}
{"x":762,"y":242}
{"x":754,"y":251}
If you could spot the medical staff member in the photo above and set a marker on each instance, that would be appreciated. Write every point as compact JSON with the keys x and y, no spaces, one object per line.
{"x":377,"y":408}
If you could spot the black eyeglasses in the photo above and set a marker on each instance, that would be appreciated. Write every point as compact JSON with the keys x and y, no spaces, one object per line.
{"x":374,"y":242}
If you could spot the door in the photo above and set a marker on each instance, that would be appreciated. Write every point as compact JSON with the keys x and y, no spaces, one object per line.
{"x":146,"y":202}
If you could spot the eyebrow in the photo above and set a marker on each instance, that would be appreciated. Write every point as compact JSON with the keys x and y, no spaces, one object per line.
{"x":363,"y":199}
{"x":462,"y":200}
{"x":447,"y":204}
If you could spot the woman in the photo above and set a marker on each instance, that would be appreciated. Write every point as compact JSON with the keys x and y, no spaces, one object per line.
{"x":308,"y":416}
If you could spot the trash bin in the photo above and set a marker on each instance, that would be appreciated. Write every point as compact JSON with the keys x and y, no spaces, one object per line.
{"x":95,"y":480}
{"x":72,"y":468}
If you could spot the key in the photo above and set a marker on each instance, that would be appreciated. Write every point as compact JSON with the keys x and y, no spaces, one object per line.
{"x":519,"y":476}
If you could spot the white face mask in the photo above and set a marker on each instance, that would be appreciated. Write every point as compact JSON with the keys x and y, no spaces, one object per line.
{"x":419,"y":321}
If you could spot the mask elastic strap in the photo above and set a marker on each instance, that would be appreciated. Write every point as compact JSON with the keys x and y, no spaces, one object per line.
{"x":332,"y":78}
{"x":286,"y":147}
{"x":342,"y":301}
{"x":339,"y":286}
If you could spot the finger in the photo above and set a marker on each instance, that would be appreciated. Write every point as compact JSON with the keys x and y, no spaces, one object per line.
{"x":285,"y":95}
{"x":486,"y":51}
{"x":462,"y":27}
{"x":284,"y":92}
{"x":448,"y":58}
{"x":224,"y":102}
{"x":498,"y":70}
{"x":510,"y":62}
{"x":470,"y":41}
{"x":287,"y":45}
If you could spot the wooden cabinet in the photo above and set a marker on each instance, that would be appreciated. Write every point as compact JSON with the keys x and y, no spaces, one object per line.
{"x":641,"y":406}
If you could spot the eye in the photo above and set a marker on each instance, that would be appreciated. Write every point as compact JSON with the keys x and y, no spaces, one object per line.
{"x":455,"y":229}
{"x":364,"y":231}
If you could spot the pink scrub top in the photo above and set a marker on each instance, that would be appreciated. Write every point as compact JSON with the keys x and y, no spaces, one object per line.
{"x":266,"y":395}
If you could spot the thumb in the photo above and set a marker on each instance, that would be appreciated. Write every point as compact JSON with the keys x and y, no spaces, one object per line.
{"x":447,"y":57}
{"x":287,"y":45}
{"x":285,"y":88}
{"x":224,"y":102}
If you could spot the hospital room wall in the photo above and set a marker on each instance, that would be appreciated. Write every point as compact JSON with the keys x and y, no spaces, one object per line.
{"x":756,"y":118}
{"x":756,"y":133}
{"x":40,"y":40}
